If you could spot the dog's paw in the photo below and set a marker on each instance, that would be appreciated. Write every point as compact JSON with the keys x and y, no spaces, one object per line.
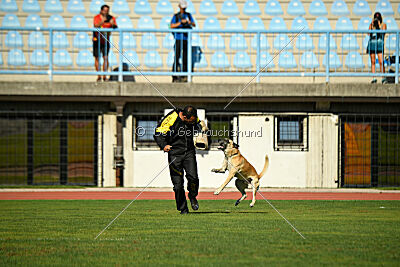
{"x":217,"y":192}
{"x":252,"y":205}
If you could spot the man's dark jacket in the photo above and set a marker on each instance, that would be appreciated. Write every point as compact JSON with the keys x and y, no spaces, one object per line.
{"x":173,"y":131}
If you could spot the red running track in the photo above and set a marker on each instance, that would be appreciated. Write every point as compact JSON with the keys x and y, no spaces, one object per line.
{"x":202,"y":195}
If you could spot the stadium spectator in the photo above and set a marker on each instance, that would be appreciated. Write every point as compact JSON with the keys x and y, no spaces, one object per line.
{"x":174,"y":134}
{"x":376,"y":44}
{"x":181,"y":20}
{"x":101,"y":45}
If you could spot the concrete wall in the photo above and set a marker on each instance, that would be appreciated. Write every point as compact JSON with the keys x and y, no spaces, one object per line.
{"x":316,"y":167}
{"x":109,"y":142}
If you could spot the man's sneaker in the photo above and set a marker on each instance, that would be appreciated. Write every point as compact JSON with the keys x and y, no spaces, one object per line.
{"x":194,"y":203}
{"x":185,"y":211}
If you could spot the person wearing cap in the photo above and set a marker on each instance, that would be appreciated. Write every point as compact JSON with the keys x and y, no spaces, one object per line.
{"x":174,"y":134}
{"x":181,"y":20}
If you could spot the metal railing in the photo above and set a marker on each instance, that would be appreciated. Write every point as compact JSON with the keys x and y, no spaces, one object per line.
{"x":256,"y":53}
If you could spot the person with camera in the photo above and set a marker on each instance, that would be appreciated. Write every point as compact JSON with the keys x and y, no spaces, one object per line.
{"x":101,"y":41}
{"x":181,"y":20}
{"x":376,"y":44}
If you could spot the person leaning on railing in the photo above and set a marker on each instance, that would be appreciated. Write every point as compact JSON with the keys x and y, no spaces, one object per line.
{"x":101,"y":40}
{"x":181,"y":20}
{"x":376,"y":44}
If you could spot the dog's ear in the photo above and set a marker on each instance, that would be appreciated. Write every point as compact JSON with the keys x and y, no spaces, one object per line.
{"x":235,"y":145}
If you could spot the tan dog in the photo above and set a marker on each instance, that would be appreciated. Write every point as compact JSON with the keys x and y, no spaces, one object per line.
{"x":240,"y":168}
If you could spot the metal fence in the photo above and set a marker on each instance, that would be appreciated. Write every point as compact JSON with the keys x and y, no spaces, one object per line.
{"x":48,"y":148}
{"x":369,"y":150}
{"x":315,"y":53}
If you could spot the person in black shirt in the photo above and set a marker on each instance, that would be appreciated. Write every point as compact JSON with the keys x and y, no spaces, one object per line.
{"x":174,"y":134}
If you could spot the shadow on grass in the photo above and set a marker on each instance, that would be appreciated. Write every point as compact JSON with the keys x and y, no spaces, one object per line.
{"x":222,"y":212}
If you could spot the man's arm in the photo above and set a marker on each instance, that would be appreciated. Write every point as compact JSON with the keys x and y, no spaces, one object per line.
{"x":191,"y":20}
{"x":98,"y":21}
{"x":163,"y":129}
{"x":174,"y":23}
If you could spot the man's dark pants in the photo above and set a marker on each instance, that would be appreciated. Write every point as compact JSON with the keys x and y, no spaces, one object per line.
{"x":184,"y":163}
{"x":180,"y":50}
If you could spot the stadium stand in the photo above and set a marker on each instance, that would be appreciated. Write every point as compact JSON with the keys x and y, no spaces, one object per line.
{"x":308,"y":60}
{"x":62,"y":58}
{"x":78,"y":21}
{"x":8,"y":6}
{"x":251,"y":8}
{"x":142,"y":7}
{"x":317,"y":8}
{"x":16,"y":57}
{"x":39,"y":58}
{"x":120,"y":7}
{"x":219,"y":60}
{"x":233,"y":23}
{"x":34,"y":21}
{"x":10,"y":20}
{"x":85,"y":59}
{"x":31,"y":6}
{"x":82,"y":41}
{"x":207,"y":8}
{"x":273,"y":8}
{"x":76,"y":6}
{"x":361,"y":8}
{"x":153,"y":59}
{"x":95,"y":6}
{"x":53,"y":6}
{"x":287,"y":60}
{"x":36,"y":40}
{"x":339,"y":8}
{"x":241,"y":60}
{"x":255,"y":24}
{"x":296,"y":8}
{"x":164,"y":7}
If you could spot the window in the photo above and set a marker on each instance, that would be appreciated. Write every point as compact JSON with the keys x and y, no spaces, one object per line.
{"x":291,"y":132}
{"x":220,"y":127}
{"x":144,"y":126}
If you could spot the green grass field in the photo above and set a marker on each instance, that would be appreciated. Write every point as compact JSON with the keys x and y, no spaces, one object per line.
{"x":152,"y":232}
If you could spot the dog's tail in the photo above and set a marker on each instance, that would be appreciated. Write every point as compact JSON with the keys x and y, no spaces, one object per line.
{"x":266,"y":164}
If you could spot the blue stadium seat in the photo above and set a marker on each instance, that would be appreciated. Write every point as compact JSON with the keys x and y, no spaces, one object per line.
{"x":164,"y":7}
{"x":16,"y":58}
{"x":207,"y":8}
{"x":76,"y":6}
{"x":1,"y":59}
{"x":146,"y":22}
{"x":152,"y":59}
{"x":31,"y":6}
{"x":277,"y":24}
{"x":215,"y":42}
{"x":53,"y":6}
{"x":322,"y":24}
{"x":237,"y":42}
{"x":264,"y":45}
{"x":390,"y":43}
{"x":251,"y":8}
{"x":384,"y":7}
{"x":142,"y":7}
{"x":361,"y":8}
{"x":304,"y":42}
{"x":128,"y":41}
{"x":241,"y":60}
{"x":334,"y":61}
{"x":191,"y":9}
{"x":164,"y":23}
{"x":211,"y":23}
{"x":82,"y":40}
{"x":349,"y":42}
{"x":33,"y":20}
{"x":287,"y":60}
{"x":170,"y":58}
{"x":339,"y":8}
{"x":233,"y":23}
{"x":56,"y":21}
{"x":36,"y":40}
{"x":364,"y":23}
{"x":281,"y":41}
{"x":39,"y":58}
{"x":343,"y":23}
{"x":62,"y":58}
{"x":220,"y":60}
{"x":354,"y":61}
{"x":168,"y":41}
{"x":149,"y":41}
{"x":196,"y":40}
{"x":322,"y":42}
{"x":13,"y":39}
{"x":78,"y":21}
{"x":390,"y":23}
{"x":60,"y":40}
{"x":398,"y":9}
{"x":266,"y":60}
{"x":299,"y":23}
{"x":124,"y":22}
{"x":8,"y":6}
{"x":120,"y":7}
{"x":85,"y":59}
{"x":229,"y":8}
{"x":95,"y":6}
{"x":317,"y":8}
{"x":255,"y":24}
{"x":273,"y":8}
{"x":365,"y":42}
{"x":296,"y":8}
{"x":308,"y":60}
{"x":203,"y":62}
{"x":10,"y":20}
